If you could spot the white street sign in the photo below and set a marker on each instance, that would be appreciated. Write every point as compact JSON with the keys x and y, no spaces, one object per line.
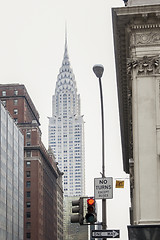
{"x":105,"y":234}
{"x":103,"y":188}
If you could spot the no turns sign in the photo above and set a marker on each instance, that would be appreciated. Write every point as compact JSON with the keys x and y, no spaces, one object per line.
{"x":103,"y":188}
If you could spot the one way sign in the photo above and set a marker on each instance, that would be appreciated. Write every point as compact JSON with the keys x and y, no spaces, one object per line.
{"x":105,"y":233}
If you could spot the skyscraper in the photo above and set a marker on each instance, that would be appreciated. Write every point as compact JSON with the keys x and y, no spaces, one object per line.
{"x":11,"y":177}
{"x":66,"y":130}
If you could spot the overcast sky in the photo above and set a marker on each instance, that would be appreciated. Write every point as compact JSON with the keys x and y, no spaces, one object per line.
{"x":32,"y":36}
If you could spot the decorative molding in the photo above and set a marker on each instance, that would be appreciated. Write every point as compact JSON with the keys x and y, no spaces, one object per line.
{"x":145,"y":26}
{"x":144,"y":66}
{"x":147,"y":38}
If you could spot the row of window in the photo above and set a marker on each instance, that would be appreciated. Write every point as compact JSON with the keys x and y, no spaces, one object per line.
{"x":15,"y":102}
{"x":5,"y":94}
{"x":28,"y":195}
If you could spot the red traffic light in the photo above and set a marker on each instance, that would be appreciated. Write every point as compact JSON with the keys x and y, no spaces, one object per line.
{"x":91,"y":215}
{"x":90,"y":201}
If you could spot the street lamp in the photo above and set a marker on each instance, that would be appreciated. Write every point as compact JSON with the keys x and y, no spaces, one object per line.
{"x":98,"y":70}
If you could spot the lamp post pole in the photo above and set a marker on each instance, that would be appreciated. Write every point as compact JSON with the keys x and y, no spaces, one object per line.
{"x":98,"y":70}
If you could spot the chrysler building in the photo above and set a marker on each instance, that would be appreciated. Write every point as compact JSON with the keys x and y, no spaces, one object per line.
{"x":66,"y":130}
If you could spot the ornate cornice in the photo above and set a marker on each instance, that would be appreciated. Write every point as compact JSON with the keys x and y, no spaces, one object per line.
{"x":145,"y":65}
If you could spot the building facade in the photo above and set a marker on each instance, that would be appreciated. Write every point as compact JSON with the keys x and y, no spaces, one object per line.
{"x":66,"y":130}
{"x":73,"y":230}
{"x":66,"y":138}
{"x":40,"y":168}
{"x":136,"y":30}
{"x":11,"y":178}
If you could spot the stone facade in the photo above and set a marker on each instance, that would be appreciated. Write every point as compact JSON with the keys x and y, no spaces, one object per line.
{"x":137,"y":50}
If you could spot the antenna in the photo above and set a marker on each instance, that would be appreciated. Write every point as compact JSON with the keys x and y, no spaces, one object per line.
{"x":66,"y":35}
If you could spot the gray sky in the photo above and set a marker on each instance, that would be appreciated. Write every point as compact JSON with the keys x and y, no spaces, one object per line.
{"x":31,"y":52}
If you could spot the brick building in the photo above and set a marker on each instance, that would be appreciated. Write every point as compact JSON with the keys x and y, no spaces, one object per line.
{"x":41,"y":175}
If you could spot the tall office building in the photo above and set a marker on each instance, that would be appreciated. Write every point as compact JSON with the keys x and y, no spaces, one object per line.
{"x":11,"y":178}
{"x":43,"y":216}
{"x":66,"y":130}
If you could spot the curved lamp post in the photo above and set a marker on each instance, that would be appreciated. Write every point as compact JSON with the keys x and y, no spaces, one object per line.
{"x":98,"y":70}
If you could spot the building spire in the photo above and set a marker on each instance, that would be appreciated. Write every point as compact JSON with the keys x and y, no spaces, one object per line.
{"x":66,"y":75}
{"x":65,"y":34}
{"x":66,"y":46}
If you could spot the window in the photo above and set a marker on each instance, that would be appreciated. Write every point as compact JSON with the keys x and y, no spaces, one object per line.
{"x":28,"y":214}
{"x":28,"y":163}
{"x":15,"y":111}
{"x":28,"y":235}
{"x":15,"y":102}
{"x":28,"y":204}
{"x":28,"y":194}
{"x":28,"y":135}
{"x":28,"y":225}
{"x":28,"y":184}
{"x":3,"y":93}
{"x":28,"y":174}
{"x":15,"y":92}
{"x":28,"y":153}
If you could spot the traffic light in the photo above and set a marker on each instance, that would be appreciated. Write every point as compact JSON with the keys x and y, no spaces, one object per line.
{"x":78,"y":209}
{"x":91,"y":215}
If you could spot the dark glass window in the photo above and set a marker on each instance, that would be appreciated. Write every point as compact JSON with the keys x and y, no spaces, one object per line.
{"x":28,"y":235}
{"x":28,"y":225}
{"x":28,"y":214}
{"x":28,"y":204}
{"x":28,"y":194}
{"x":28,"y":184}
{"x":28,"y":174}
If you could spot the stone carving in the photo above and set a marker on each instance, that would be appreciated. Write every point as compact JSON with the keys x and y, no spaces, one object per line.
{"x":152,"y":37}
{"x":144,"y":66}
